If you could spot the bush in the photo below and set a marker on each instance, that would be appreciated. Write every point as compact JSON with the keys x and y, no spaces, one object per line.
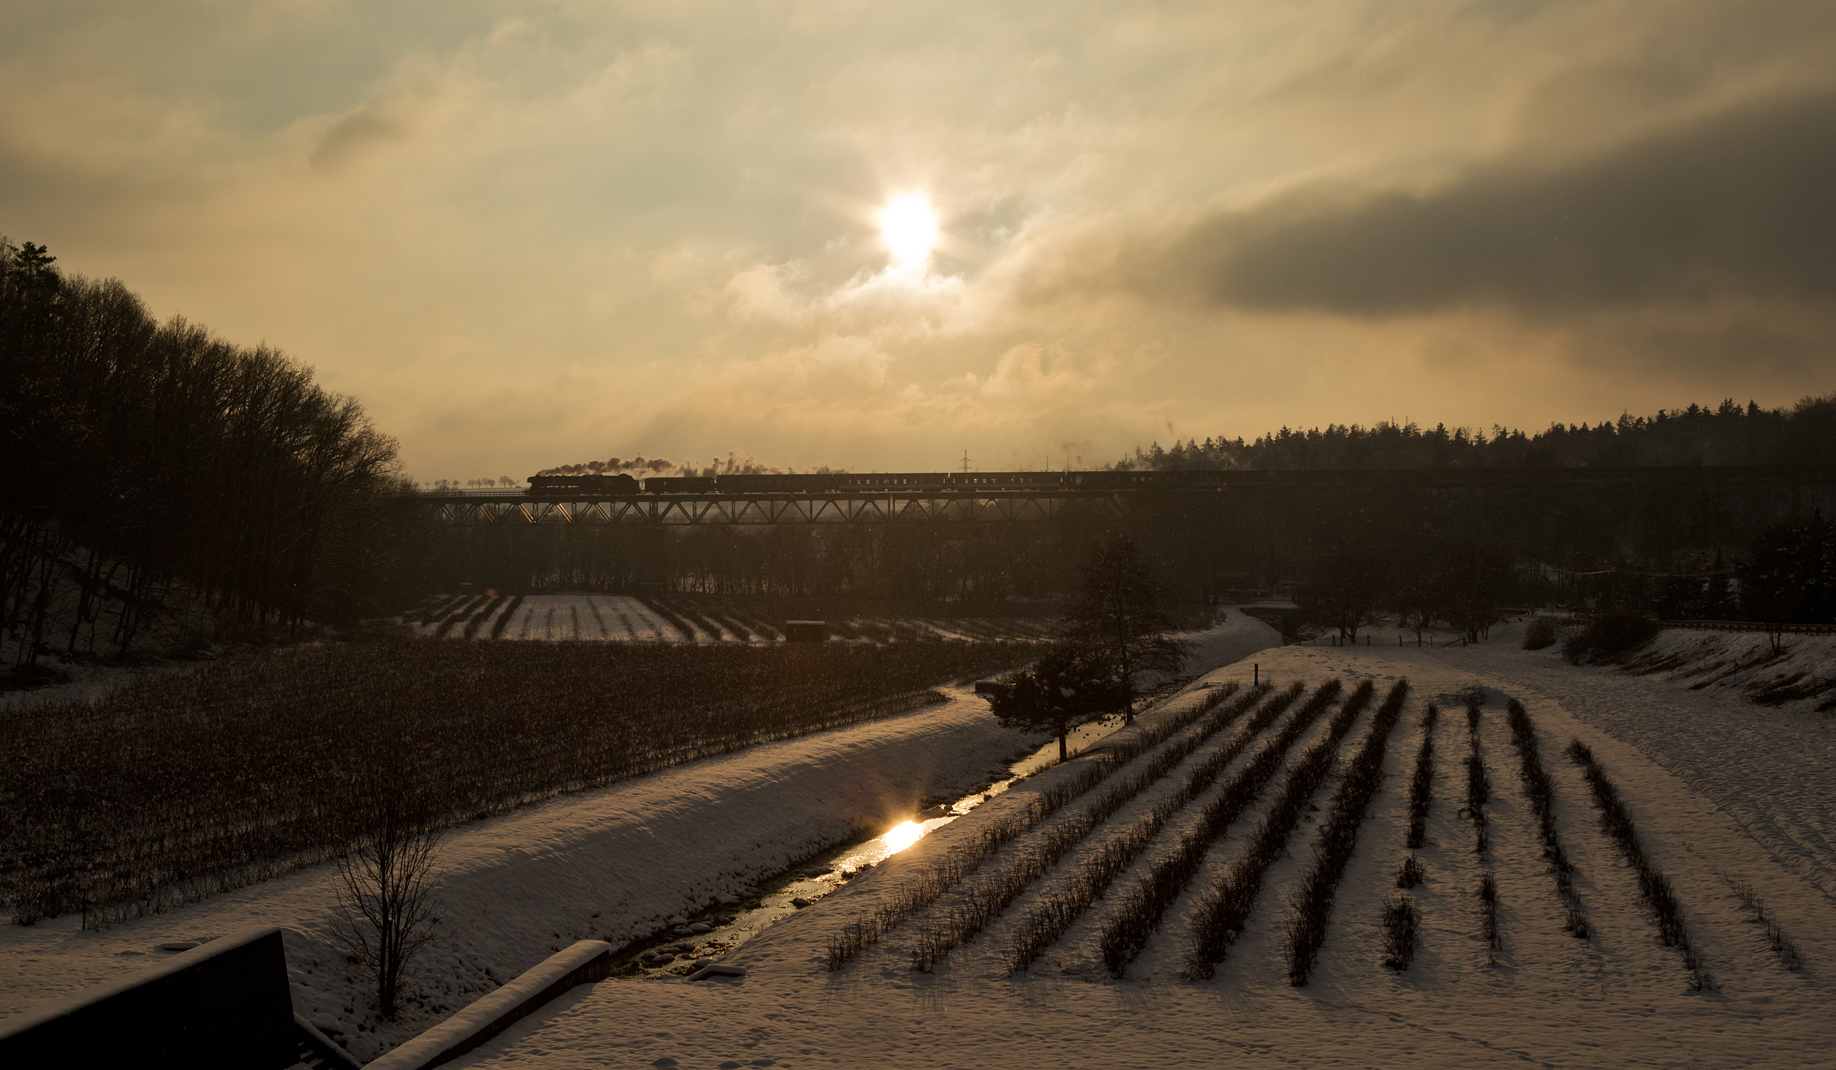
{"x":1400,"y":924}
{"x":1608,"y":635}
{"x":1540,"y":634}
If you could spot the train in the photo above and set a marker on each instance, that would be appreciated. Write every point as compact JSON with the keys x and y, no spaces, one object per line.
{"x":896,"y":483}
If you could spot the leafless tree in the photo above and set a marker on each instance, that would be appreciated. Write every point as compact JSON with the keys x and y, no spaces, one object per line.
{"x":386,"y":882}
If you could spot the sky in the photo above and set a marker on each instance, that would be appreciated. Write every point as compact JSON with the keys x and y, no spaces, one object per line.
{"x":527,"y":235}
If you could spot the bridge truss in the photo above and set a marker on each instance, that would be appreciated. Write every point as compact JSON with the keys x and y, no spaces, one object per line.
{"x":693,"y":510}
{"x":1534,"y":491}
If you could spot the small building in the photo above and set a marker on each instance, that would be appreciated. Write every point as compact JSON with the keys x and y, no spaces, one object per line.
{"x":806,"y":631}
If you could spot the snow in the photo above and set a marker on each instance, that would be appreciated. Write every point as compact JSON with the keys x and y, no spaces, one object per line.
{"x":619,"y":618}
{"x":486,"y":1016}
{"x":612,"y":864}
{"x":1617,"y":999}
{"x":1723,"y":792}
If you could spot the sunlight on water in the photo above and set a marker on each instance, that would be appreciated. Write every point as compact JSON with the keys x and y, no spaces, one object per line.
{"x":902,"y":836}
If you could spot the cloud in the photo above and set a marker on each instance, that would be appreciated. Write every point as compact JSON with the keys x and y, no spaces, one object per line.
{"x":1737,"y":205}
{"x":353,"y":134}
{"x":532,"y":236}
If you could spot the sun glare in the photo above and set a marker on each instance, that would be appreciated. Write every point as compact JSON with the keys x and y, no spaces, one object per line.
{"x":901,"y":836}
{"x":909,"y":226}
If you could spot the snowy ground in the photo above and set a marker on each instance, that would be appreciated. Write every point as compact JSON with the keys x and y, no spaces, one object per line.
{"x":589,"y":617}
{"x":1722,"y":791}
{"x":606,"y":617}
{"x":617,"y":863}
{"x":1617,"y":999}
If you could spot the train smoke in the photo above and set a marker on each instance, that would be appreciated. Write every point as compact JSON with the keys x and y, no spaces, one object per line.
{"x":735,"y":463}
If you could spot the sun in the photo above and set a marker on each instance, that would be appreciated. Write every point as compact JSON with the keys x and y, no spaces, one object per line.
{"x":909,"y":227}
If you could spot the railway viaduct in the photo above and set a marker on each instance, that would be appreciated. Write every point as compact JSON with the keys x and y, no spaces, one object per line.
{"x":1529,"y":492}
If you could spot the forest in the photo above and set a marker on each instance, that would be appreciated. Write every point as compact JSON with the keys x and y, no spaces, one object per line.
{"x":148,"y":462}
{"x":1802,"y":435}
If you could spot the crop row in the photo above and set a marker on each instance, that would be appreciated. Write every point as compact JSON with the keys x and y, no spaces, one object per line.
{"x":1332,"y":853}
{"x":1478,"y":785}
{"x":1045,"y":924}
{"x":1135,"y":920}
{"x":1780,"y":944}
{"x":1401,"y":919}
{"x":962,"y":860}
{"x":1653,"y":886}
{"x":1540,"y":790}
{"x":1421,"y":784}
{"x":984,"y":902}
{"x":188,"y":783}
{"x":1222,"y":916}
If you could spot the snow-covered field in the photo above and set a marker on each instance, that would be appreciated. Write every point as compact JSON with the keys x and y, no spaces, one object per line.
{"x":1722,"y":791}
{"x":1618,"y":998}
{"x":620,"y":618}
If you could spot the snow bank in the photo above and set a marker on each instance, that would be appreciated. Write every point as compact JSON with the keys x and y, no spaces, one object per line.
{"x":1234,"y":637}
{"x":612,"y":864}
{"x":586,"y":961}
{"x":1800,"y":678}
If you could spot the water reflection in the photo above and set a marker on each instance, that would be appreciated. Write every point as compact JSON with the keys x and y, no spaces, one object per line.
{"x":902,"y":835}
{"x":676,"y":951}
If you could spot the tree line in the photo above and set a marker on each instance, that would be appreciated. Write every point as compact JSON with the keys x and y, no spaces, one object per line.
{"x":150,"y":461}
{"x":1727,"y":434}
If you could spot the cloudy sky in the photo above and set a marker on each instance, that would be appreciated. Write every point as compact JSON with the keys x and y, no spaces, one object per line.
{"x":534,"y":234}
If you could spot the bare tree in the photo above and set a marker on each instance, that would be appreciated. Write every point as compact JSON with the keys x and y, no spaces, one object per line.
{"x":385,"y":882}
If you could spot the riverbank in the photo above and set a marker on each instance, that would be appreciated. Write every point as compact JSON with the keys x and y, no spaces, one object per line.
{"x":615,"y":864}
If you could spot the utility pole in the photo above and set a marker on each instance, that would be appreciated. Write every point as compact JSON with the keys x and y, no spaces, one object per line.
{"x":965,"y":462}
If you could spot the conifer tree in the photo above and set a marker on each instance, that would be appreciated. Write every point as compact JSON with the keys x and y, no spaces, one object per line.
{"x":1120,"y":620}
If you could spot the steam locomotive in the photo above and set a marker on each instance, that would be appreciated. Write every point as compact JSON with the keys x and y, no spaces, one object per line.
{"x":898,"y":483}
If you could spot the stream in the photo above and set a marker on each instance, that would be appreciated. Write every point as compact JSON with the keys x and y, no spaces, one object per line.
{"x":676,"y":952}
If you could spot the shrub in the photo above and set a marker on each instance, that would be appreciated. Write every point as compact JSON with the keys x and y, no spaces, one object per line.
{"x":1045,"y":925}
{"x":1400,"y":923}
{"x":983,"y":902}
{"x":1488,"y":918}
{"x":1608,"y":635}
{"x":1540,"y":634}
{"x":1410,"y":873}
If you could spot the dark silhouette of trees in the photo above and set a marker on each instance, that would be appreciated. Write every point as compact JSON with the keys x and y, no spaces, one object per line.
{"x":1790,"y":576}
{"x":145,"y":457}
{"x":1120,"y":619}
{"x":1727,"y":434}
{"x":1347,"y":591}
{"x":1068,"y":687}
